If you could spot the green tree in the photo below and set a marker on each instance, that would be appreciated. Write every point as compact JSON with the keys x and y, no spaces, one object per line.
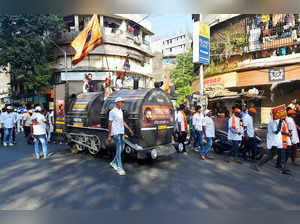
{"x":26,"y":43}
{"x":183,"y":76}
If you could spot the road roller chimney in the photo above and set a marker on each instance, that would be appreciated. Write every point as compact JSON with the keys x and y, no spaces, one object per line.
{"x":136,"y":83}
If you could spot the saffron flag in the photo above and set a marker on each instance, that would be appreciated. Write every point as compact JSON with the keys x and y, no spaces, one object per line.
{"x":89,"y":38}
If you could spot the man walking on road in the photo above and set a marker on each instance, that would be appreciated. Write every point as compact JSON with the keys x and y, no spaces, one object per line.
{"x":26,"y":123}
{"x":275,"y":144}
{"x":38,"y":132}
{"x":209,"y":133}
{"x":198,"y":123}
{"x":235,"y":131}
{"x":250,"y":144}
{"x":182,"y":126}
{"x":8,"y":120}
{"x":116,"y":132}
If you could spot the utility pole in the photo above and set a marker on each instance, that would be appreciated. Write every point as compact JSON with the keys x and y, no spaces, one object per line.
{"x":201,"y":48}
{"x":201,"y":70}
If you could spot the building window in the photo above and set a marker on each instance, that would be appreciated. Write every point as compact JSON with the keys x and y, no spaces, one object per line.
{"x":112,"y":25}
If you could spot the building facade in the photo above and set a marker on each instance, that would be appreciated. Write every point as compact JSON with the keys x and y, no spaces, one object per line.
{"x":124,"y":37}
{"x":4,"y":86}
{"x":173,"y":46}
{"x":165,"y":51}
{"x":249,"y":53}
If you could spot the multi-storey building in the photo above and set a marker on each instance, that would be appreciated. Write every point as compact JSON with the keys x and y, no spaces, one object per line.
{"x":166,"y":50}
{"x":249,"y":53}
{"x":123,"y":37}
{"x":4,"y":86}
{"x":173,"y":46}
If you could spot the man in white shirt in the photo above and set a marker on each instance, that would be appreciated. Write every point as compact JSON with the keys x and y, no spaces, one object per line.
{"x":209,"y":134}
{"x":249,"y":133}
{"x":235,"y":131}
{"x":275,"y":144}
{"x":294,"y":131}
{"x":20,"y":118}
{"x":197,"y":123}
{"x":38,"y":132}
{"x":50,"y":126}
{"x":8,"y":120}
{"x":116,"y":131}
{"x":182,"y":126}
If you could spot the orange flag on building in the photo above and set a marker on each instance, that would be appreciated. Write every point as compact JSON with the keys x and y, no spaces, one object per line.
{"x":89,"y":38}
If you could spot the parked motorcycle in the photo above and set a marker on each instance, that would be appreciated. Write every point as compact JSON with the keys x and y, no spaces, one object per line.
{"x":222,"y":144}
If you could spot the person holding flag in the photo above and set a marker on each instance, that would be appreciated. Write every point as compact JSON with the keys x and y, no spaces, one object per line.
{"x":89,"y":38}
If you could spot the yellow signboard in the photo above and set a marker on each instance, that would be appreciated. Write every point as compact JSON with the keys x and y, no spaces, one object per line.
{"x":204,"y":30}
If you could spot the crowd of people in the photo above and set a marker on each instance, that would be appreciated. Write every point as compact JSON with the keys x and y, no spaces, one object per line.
{"x":37,"y":125}
{"x":90,"y":85}
{"x":282,"y":137}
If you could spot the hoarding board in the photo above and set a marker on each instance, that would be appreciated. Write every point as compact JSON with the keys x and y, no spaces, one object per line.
{"x":201,"y":46}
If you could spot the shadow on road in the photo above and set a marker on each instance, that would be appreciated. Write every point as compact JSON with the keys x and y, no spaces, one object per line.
{"x":177,"y":182}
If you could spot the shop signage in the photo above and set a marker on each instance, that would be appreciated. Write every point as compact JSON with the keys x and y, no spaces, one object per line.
{"x":226,"y":80}
{"x":201,"y":51}
{"x":276,"y":74}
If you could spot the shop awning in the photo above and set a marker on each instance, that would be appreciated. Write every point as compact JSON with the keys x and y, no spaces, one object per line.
{"x":284,"y":87}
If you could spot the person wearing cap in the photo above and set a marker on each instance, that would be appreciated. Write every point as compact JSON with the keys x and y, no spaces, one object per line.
{"x":120,"y":82}
{"x":8,"y":121}
{"x":38,"y":132}
{"x":249,"y":133}
{"x":197,"y":124}
{"x":209,"y":134}
{"x":286,"y":143}
{"x":293,"y":104}
{"x":235,"y":131}
{"x":295,"y":137}
{"x":116,"y":132}
{"x":274,"y":144}
{"x":107,"y":88}
{"x":182,"y":126}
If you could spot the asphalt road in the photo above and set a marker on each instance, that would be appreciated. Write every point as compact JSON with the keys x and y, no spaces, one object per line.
{"x":178,"y":182}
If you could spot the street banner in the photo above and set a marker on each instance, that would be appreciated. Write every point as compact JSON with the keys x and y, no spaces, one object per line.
{"x":87,"y":40}
{"x":157,"y":115}
{"x":60,"y":110}
{"x":279,"y":112}
{"x":201,"y":46}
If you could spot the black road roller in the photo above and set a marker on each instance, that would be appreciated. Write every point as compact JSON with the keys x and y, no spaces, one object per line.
{"x":148,"y":112}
